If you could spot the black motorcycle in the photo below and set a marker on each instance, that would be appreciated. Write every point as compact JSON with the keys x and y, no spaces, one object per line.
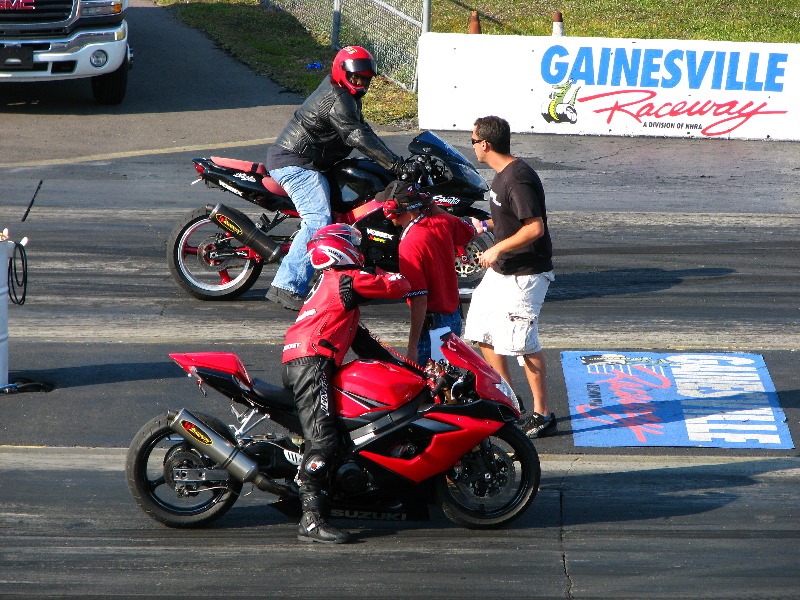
{"x":218,"y":252}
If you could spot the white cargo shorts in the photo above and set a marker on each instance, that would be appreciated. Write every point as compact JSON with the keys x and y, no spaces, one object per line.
{"x":504,"y":312}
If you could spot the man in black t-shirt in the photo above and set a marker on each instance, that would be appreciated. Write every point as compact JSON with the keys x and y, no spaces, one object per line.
{"x":504,"y":311}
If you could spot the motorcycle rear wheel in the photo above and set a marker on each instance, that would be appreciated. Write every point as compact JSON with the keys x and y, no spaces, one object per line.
{"x":189,"y":256}
{"x":155,"y":455}
{"x":492,"y":485}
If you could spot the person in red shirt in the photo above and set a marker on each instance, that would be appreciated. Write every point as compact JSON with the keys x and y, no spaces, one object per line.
{"x":315,"y":345}
{"x":427,"y":249}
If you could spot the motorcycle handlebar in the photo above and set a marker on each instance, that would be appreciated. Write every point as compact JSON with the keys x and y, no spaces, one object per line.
{"x":418,"y":169}
{"x":441,"y":381}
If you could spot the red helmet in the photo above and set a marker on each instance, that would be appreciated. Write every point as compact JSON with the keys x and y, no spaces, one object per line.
{"x":335,"y":245}
{"x":353,"y":59}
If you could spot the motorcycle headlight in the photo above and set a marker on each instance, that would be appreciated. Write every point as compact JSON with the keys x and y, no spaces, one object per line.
{"x":505,"y":388}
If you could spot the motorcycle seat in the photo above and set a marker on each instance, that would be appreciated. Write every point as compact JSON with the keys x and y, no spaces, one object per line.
{"x":273,"y":186}
{"x":241,"y":165}
{"x":272,"y":395}
{"x":268,"y":182}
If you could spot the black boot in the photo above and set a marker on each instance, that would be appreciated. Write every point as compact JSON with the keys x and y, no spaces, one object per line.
{"x":315,"y":528}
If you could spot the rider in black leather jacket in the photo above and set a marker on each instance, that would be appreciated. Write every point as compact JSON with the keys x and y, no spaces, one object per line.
{"x":325,"y":129}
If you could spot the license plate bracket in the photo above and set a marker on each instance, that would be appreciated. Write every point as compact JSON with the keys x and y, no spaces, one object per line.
{"x":16,"y":58}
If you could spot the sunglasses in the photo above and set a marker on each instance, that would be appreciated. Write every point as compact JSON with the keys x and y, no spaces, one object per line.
{"x":474,"y":141}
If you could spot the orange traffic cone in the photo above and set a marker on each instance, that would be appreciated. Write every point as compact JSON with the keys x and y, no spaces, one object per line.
{"x":474,"y":22}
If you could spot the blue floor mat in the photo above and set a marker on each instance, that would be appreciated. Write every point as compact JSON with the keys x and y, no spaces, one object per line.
{"x":721,"y":400}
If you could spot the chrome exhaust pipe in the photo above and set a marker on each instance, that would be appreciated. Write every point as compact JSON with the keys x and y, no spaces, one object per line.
{"x":243,"y":229}
{"x":208,"y":442}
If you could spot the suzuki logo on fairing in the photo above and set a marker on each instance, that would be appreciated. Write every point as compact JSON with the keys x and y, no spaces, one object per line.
{"x":368,"y":515}
{"x":193,"y":431}
{"x":228,"y":224}
{"x":17,"y":5}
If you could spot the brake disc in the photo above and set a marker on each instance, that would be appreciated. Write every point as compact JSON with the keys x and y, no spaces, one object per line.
{"x":209,"y":252}
{"x":486,"y":475}
{"x":178,"y":459}
{"x":468,"y":263}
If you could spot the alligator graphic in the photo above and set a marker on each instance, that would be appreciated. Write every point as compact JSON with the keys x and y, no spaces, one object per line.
{"x":557,"y":110}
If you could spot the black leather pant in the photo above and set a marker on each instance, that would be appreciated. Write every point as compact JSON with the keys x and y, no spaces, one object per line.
{"x":310,"y":380}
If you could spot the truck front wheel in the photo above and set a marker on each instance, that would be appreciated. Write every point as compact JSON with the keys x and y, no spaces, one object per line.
{"x":110,"y":88}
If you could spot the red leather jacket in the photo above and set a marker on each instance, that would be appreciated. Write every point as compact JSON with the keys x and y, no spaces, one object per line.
{"x":327,"y":322}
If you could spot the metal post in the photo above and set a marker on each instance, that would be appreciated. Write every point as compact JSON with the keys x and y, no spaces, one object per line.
{"x":4,"y":250}
{"x":558,"y":24}
{"x":337,"y":23}
{"x":426,"y":16}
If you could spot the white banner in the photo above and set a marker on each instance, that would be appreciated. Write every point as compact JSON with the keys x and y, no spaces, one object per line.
{"x":603,"y":86}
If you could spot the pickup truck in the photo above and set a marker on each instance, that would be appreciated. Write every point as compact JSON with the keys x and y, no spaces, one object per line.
{"x":46,"y":40}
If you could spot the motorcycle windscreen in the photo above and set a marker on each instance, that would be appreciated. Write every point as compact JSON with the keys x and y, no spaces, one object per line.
{"x":365,"y":386}
{"x":428,"y":142}
{"x":461,"y":168}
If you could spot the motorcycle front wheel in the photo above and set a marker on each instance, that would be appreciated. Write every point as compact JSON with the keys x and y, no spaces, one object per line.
{"x":468,"y":268}
{"x":493,"y":484}
{"x":203,"y":260}
{"x":164,"y":476}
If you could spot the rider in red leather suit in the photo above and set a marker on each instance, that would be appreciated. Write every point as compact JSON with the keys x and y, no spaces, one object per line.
{"x":326,"y":327}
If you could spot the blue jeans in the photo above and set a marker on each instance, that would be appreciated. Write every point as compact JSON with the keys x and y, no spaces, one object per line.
{"x":311,"y":195}
{"x":452,"y":322}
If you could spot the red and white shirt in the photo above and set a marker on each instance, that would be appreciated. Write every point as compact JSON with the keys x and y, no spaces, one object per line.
{"x":427,"y":251}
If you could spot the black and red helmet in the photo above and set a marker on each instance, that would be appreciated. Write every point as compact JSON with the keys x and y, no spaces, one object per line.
{"x":402,"y":196}
{"x":353,"y":59}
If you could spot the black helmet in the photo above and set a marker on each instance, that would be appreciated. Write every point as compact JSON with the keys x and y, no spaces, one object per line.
{"x":401,"y":196}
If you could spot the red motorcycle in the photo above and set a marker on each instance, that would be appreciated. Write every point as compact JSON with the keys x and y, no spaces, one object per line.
{"x":411,"y":438}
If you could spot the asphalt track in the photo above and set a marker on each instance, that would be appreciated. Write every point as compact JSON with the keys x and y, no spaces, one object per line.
{"x":660,"y":245}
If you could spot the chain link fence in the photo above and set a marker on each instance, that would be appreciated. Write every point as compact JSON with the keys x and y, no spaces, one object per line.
{"x":389,"y":29}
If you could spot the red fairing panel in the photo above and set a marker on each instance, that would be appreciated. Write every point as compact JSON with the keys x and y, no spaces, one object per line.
{"x":459,"y":354}
{"x":362,"y":211}
{"x":381,"y":385}
{"x":445,"y":449}
{"x":226,"y":362}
